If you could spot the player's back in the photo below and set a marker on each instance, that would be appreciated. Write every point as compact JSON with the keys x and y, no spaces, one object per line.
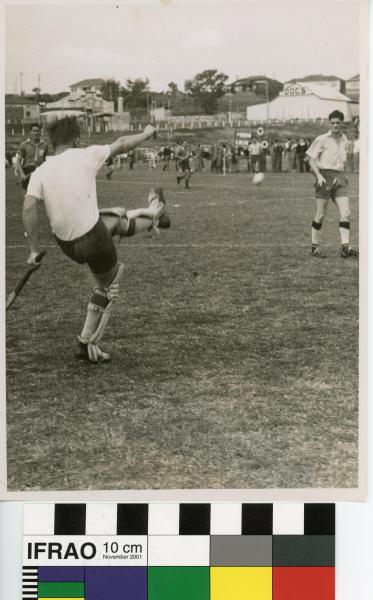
{"x":67,"y":184}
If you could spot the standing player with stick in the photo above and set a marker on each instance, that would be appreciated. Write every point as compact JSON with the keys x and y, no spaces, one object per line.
{"x":328,"y":154}
{"x":31,"y":154}
{"x":67,"y":185}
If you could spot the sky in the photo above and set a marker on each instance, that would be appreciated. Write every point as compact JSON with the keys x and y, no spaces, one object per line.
{"x":168,"y":40}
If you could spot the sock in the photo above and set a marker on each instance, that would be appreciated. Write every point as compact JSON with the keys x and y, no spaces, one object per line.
{"x":91,"y":321}
{"x":315,"y":233}
{"x":90,"y":325}
{"x":344,"y":232}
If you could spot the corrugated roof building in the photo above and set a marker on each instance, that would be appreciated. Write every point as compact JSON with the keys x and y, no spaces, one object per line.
{"x":303,"y":101}
{"x":353,"y":88}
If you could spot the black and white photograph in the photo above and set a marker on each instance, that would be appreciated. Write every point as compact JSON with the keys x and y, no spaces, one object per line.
{"x":183,"y":190}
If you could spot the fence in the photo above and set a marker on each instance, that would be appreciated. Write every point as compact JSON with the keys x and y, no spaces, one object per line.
{"x":218,"y":123}
{"x":19,"y":126}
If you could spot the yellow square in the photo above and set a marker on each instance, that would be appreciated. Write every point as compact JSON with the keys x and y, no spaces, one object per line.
{"x":241,"y":583}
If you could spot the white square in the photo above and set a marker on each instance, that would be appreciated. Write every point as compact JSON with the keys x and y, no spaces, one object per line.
{"x":38,"y":518}
{"x":288,"y":518}
{"x":179,"y":550}
{"x":163,"y":518}
{"x":226,"y":518}
{"x":101,"y":519}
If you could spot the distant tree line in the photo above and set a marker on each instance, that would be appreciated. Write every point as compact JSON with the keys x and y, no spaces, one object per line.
{"x":205,"y":87}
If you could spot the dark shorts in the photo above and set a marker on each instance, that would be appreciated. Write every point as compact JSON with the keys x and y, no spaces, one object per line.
{"x":335,"y":186}
{"x":184,"y":165}
{"x":27,"y":171}
{"x":96,"y":248}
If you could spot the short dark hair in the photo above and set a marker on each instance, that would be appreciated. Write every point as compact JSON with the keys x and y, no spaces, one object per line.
{"x":63,"y":131}
{"x":336,"y":114}
{"x":35,"y":125}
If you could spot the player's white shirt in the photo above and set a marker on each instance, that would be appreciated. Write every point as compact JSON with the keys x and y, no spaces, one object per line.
{"x":67,"y":185}
{"x":255,"y":148}
{"x":329,"y":153}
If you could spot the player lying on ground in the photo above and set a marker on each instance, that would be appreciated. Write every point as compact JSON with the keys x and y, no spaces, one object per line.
{"x":328,"y":155}
{"x":67,"y":185}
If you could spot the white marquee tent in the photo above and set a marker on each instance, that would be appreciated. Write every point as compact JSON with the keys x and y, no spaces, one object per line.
{"x":303,"y":101}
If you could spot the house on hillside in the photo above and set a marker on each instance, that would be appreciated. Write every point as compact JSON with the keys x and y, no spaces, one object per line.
{"x":352,"y":89}
{"x":259,"y":85}
{"x":86,"y":97}
{"x":87,"y":85}
{"x":21,"y":110}
{"x":304,"y":101}
{"x":249,"y":90}
{"x":91,"y":102}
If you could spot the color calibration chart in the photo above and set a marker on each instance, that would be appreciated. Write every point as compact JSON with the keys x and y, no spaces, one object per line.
{"x":179,"y":551}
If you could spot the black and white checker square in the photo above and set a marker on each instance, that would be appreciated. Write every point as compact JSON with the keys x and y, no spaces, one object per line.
{"x":179,"y":519}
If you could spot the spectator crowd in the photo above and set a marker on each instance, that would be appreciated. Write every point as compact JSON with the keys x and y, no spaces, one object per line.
{"x":278,"y":156}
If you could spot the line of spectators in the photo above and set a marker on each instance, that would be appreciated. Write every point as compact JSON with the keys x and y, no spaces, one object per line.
{"x":280,"y":155}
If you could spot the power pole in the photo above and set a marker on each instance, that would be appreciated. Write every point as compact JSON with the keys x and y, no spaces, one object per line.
{"x":21,"y":82}
{"x":39,"y":82}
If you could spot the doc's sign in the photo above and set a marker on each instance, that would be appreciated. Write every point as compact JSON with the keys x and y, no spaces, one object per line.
{"x":295,"y":90}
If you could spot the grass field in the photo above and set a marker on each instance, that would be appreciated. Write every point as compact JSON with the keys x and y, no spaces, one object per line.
{"x":235,"y":354}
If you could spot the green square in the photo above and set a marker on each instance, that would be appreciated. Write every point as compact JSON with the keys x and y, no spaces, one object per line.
{"x":60,"y":589}
{"x":181,"y":583}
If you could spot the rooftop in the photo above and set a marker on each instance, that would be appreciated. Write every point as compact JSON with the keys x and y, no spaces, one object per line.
{"x":18,"y":99}
{"x":354,"y":78}
{"x":323,"y":91}
{"x":88,"y":82}
{"x":317,"y":77}
{"x":252,"y":78}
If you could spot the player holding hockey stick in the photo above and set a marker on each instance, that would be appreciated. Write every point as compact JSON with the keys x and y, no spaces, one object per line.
{"x":67,"y":185}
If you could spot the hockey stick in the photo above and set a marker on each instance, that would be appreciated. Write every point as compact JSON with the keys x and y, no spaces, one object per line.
{"x":22,"y":282}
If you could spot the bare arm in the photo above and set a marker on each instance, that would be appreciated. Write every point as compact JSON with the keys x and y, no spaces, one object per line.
{"x":18,"y":168}
{"x":126,"y":143}
{"x":315,"y":170}
{"x":31,"y":225}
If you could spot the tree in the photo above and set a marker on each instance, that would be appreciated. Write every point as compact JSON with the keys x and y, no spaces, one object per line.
{"x":36,"y":91}
{"x":136,"y":93}
{"x":172,"y":88}
{"x":137,"y":86}
{"x":111,"y":90}
{"x":207,"y":87}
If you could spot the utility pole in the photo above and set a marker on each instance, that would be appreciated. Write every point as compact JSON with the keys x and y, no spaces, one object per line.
{"x":21,"y":82}
{"x":39,"y":82}
{"x":267,"y":104}
{"x":266,"y":84}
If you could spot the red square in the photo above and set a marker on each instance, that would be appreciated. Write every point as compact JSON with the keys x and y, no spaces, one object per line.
{"x":307,"y":583}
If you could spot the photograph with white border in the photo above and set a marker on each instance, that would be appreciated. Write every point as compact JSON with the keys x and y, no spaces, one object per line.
{"x":185,"y":256}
